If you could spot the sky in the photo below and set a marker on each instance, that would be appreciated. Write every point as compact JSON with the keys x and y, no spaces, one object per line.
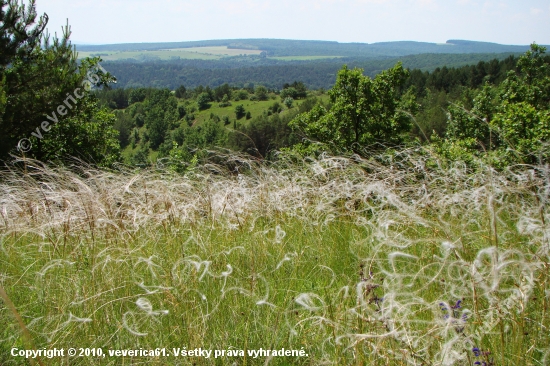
{"x":518,"y":22}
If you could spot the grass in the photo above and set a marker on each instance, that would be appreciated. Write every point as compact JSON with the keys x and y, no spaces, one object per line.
{"x":304,"y":58}
{"x":193,"y":53}
{"x":256,"y":108}
{"x":200,"y":53}
{"x":357,"y":261}
{"x":220,"y":50}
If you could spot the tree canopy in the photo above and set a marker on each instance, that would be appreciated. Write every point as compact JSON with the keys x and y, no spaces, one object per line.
{"x":46,"y":109}
{"x":512,"y":118}
{"x":364,"y":111}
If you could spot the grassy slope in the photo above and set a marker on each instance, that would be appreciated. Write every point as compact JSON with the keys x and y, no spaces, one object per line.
{"x":356,"y":262}
{"x":256,"y":108}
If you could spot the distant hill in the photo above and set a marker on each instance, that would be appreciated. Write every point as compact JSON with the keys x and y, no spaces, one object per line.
{"x":284,"y":48}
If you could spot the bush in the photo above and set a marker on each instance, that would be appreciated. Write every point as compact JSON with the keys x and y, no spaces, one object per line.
{"x":261,"y":92}
{"x":240,"y":95}
{"x":203,"y":101}
{"x":240,"y":111}
{"x":225,"y":102}
{"x":288,"y":102}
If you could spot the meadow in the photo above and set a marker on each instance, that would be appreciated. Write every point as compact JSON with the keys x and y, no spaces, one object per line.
{"x":394,"y":259}
{"x":304,"y":58}
{"x":193,"y":53}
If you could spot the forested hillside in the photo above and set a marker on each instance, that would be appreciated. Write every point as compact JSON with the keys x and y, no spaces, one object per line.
{"x":239,"y":71}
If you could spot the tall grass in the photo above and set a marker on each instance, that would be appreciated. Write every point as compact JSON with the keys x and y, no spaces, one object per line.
{"x":393,"y":260}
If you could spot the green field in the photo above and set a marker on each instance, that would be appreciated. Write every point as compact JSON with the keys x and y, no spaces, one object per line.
{"x":220,"y":50}
{"x":394,"y":260}
{"x":255,"y":108}
{"x":304,"y":58}
{"x":202,"y":53}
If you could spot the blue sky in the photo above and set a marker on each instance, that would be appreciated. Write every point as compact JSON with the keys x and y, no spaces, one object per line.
{"x":125,"y":21}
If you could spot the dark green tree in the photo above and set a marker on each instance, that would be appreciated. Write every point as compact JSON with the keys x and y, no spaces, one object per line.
{"x":222,"y":91}
{"x":180,"y":91}
{"x":240,"y":111}
{"x":181,"y":111}
{"x":298,"y":90}
{"x":18,"y":38}
{"x":45,"y":107}
{"x":124,"y":125}
{"x":137,"y":95}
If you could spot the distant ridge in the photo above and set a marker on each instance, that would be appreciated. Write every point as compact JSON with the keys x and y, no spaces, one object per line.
{"x":283,"y":47}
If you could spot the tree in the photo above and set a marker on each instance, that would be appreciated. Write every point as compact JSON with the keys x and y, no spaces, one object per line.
{"x":156,"y":126}
{"x":203,"y":101}
{"x":364,"y":111}
{"x":225,"y":101}
{"x":263,"y":134}
{"x":261,"y":92}
{"x":512,"y":118}
{"x":473,"y":124}
{"x":289,"y":92}
{"x":221,"y":91}
{"x":240,"y":111}
{"x":180,"y":92}
{"x":296,"y":90}
{"x":522,"y":115}
{"x":139,"y":120}
{"x":241,"y":95}
{"x":137,"y":95}
{"x":45,"y":108}
{"x":162,"y":116}
{"x":17,"y":39}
